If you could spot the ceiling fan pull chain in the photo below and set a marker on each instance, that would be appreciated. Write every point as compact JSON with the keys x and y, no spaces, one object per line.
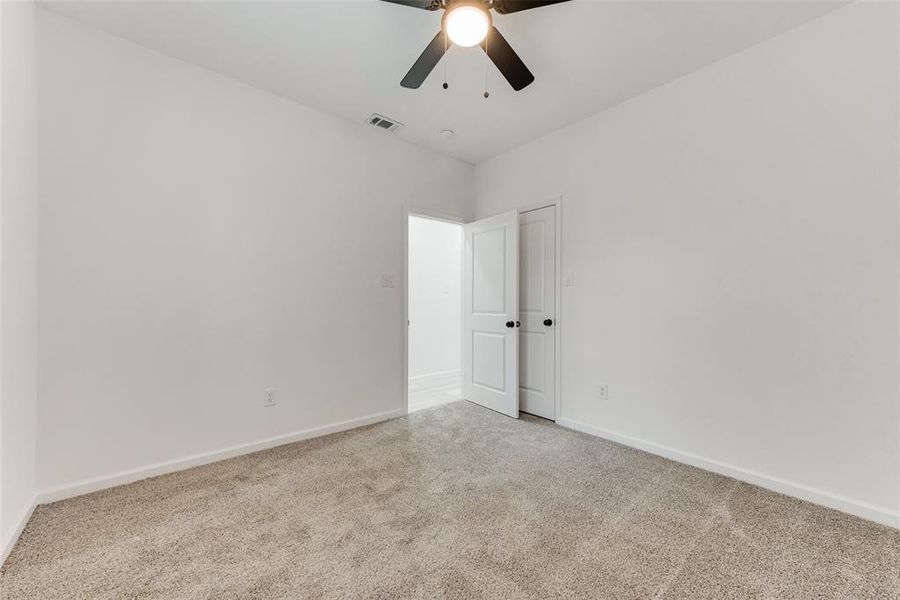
{"x":445,"y":86}
{"x":486,"y":66}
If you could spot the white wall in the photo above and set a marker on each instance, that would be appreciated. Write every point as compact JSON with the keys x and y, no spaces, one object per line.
{"x":18,"y":267}
{"x":435,"y":309}
{"x":202,"y":240}
{"x":734,"y":241}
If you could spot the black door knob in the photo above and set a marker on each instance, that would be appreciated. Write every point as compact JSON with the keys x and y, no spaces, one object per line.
{"x":548,"y":322}
{"x":510,"y":324}
{"x":518,"y":324}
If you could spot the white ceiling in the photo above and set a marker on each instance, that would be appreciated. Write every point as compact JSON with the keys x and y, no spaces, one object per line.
{"x":347,"y":57}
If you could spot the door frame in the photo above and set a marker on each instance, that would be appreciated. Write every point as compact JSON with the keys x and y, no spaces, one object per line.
{"x":425,"y":213}
{"x":556,"y":203}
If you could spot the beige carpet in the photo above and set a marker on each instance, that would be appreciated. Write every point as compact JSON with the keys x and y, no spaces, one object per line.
{"x":451,"y":502}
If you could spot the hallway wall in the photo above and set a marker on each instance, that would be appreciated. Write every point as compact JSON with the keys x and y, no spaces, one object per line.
{"x":435,"y":262}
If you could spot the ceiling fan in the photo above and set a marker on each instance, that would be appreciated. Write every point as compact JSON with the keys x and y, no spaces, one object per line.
{"x":466,"y":23}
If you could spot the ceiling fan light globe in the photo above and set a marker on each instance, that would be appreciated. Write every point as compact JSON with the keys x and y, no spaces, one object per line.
{"x":466,"y":25}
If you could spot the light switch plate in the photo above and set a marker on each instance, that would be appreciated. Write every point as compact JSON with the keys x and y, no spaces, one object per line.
{"x":569,"y":278}
{"x":387,"y":280}
{"x":602,"y":391}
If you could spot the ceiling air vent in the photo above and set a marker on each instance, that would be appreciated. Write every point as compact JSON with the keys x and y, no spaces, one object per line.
{"x":383,"y":122}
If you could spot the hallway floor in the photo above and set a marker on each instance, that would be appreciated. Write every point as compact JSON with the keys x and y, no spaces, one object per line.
{"x":429,"y":391}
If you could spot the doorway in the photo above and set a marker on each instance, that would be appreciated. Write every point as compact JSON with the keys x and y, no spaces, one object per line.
{"x":434,"y":299}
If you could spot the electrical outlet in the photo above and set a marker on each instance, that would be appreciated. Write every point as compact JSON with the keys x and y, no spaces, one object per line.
{"x":269,"y":398}
{"x":602,"y":391}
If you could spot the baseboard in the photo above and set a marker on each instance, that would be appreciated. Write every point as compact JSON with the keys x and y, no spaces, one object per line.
{"x":456,"y":372}
{"x":88,"y":486}
{"x":10,"y":542}
{"x":788,"y":488}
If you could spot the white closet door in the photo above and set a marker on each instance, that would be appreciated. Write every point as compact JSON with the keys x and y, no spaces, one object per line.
{"x":490,"y":313}
{"x":537,"y":312}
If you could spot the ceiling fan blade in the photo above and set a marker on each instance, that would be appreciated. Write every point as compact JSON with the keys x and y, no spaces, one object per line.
{"x":504,"y":7}
{"x":506,"y":59}
{"x":423,"y":4}
{"x":429,"y":58}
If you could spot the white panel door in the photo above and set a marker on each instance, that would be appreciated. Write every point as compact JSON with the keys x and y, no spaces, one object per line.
{"x":490,"y":313}
{"x":537,"y":312}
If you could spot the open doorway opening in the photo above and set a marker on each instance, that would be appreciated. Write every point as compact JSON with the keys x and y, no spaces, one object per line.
{"x":435,"y":312}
